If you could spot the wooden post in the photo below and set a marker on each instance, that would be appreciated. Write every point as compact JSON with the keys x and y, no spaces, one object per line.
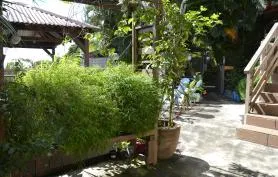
{"x":53,"y":54}
{"x":134,"y":43}
{"x":247,"y":95}
{"x":152,"y":149}
{"x":2,"y":80}
{"x":86,"y":53}
{"x":156,"y":32}
{"x":2,"y":58}
{"x":222,"y":76}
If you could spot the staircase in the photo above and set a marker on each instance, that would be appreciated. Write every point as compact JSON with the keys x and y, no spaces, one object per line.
{"x":261,"y":102}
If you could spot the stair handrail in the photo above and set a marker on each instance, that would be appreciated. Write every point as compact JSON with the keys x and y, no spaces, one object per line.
{"x":250,"y":66}
{"x":266,"y":48}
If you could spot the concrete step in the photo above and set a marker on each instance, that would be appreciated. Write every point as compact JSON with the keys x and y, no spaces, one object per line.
{"x":264,"y":136}
{"x":269,"y":97}
{"x":270,"y":109}
{"x":263,"y":121}
{"x":271,"y":88}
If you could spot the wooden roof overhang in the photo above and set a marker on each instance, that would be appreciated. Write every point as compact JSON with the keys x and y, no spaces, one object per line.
{"x":43,"y":36}
{"x":107,"y":4}
{"x":38,"y":28}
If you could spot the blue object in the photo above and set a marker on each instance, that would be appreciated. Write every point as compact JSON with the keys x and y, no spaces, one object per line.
{"x":183,"y":88}
{"x":235,"y":96}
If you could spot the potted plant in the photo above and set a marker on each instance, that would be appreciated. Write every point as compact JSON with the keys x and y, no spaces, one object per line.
{"x":176,"y":35}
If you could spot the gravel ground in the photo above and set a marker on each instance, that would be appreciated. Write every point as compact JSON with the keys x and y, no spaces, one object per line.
{"x":208,"y":147}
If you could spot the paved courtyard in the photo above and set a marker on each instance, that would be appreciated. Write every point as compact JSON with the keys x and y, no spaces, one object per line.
{"x":208,"y":147}
{"x":208,"y":133}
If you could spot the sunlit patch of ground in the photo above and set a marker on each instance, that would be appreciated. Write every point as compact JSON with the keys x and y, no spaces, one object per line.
{"x":208,"y":147}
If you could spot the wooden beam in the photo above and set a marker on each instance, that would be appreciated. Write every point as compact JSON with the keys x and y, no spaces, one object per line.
{"x":84,"y":45}
{"x":152,"y":144}
{"x":30,"y":44}
{"x":41,"y":39}
{"x":144,"y":29}
{"x":80,"y":43}
{"x":50,"y":53}
{"x":49,"y":28}
{"x":131,"y":137}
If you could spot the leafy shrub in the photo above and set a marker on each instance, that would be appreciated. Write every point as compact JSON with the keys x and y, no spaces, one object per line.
{"x":73,"y":108}
{"x":80,"y":112}
{"x":241,"y":88}
{"x":136,"y":96}
{"x":232,"y":78}
{"x":24,"y":134}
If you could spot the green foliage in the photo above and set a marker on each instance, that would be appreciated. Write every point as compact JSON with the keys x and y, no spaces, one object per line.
{"x":136,"y":96}
{"x":176,"y":35}
{"x":105,"y":42}
{"x":241,"y":88}
{"x":24,"y":136}
{"x":191,"y":89}
{"x":19,"y":65}
{"x":74,"y":109}
{"x":81,"y":113}
{"x":241,"y":28}
{"x":232,"y":78}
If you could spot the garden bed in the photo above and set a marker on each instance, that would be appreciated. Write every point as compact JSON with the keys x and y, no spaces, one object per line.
{"x":76,"y":110}
{"x":57,"y":161}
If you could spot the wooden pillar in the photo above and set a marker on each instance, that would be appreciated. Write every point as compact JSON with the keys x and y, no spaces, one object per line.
{"x":156,"y":32}
{"x":53,"y":54}
{"x":86,"y":53}
{"x":153,"y":148}
{"x":134,"y":44}
{"x":84,"y":45}
{"x":221,"y":81}
{"x":247,"y":95}
{"x":2,"y":58}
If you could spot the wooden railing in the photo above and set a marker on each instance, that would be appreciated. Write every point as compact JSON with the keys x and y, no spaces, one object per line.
{"x":261,"y":67}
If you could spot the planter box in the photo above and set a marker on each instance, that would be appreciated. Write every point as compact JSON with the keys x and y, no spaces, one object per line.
{"x":45,"y":165}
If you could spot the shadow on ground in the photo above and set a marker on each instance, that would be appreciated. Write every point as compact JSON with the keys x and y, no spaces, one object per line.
{"x":177,"y":166}
{"x":235,"y":170}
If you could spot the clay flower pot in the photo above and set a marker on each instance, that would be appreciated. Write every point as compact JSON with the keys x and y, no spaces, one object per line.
{"x":167,"y":141}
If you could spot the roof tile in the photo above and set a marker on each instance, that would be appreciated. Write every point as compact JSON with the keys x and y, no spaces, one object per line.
{"x":21,"y":13}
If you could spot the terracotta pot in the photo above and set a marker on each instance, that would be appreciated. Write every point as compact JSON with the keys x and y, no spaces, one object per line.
{"x":167,"y":141}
